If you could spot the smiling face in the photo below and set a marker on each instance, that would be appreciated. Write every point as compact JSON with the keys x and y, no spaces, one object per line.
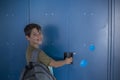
{"x":35,"y":37}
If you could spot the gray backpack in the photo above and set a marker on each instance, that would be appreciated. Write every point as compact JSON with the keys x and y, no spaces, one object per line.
{"x":36,"y":70}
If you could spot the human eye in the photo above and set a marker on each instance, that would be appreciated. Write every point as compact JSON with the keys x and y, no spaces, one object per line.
{"x":34,"y":34}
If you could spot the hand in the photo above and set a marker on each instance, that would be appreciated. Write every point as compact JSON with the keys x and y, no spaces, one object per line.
{"x":68,"y":60}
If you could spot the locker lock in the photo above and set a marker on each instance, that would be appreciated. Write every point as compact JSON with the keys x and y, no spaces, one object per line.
{"x":68,"y":55}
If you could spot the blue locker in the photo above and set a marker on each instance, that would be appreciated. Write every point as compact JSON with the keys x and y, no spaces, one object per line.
{"x":13,"y":18}
{"x":52,"y":15}
{"x":116,"y":42}
{"x":88,"y":28}
{"x":75,"y":26}
{"x":88,"y":35}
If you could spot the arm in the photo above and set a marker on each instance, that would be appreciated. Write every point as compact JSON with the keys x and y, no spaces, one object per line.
{"x":50,"y":62}
{"x":55,"y":64}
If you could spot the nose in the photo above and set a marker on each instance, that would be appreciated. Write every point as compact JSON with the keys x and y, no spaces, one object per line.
{"x":39,"y":35}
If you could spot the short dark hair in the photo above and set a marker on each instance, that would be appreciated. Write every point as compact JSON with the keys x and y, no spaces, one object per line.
{"x":28,"y":28}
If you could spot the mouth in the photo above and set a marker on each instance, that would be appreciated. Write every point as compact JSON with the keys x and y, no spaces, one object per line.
{"x":38,"y":39}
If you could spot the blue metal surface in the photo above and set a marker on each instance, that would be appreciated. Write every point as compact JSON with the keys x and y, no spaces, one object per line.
{"x":76,"y":25}
{"x":116,"y":57}
{"x":79,"y":26}
{"x":13,"y":18}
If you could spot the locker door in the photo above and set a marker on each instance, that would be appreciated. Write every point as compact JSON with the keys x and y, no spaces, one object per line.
{"x":13,"y":18}
{"x":116,"y":42}
{"x":52,"y":15}
{"x":88,"y":35}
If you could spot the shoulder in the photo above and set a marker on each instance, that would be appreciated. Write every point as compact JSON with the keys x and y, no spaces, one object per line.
{"x":41,"y":51}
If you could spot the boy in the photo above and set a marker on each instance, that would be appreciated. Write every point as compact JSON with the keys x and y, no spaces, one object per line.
{"x":34,"y":36}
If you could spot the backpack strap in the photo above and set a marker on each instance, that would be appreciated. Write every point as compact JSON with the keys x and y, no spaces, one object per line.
{"x":34,"y":56}
{"x":33,"y":59}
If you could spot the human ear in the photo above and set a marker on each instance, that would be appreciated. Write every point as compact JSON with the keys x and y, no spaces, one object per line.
{"x":27,"y":37}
